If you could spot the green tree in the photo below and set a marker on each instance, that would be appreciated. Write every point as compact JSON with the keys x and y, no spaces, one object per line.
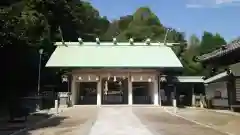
{"x":144,"y":24}
{"x":210,"y":42}
{"x":190,"y":67}
{"x":194,"y":41}
{"x":27,"y":25}
{"x":124,"y":22}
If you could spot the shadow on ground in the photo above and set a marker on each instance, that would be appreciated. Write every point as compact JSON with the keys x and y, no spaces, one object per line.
{"x":7,"y":127}
{"x":52,"y":121}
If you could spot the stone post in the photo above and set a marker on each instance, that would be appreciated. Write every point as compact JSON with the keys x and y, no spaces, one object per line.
{"x":193,"y":96}
{"x":175,"y":98}
{"x":56,"y":106}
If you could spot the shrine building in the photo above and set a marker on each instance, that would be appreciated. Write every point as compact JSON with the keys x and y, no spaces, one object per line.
{"x":115,"y":72}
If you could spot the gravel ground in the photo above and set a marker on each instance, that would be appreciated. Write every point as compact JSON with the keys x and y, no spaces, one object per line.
{"x":7,"y":128}
{"x":76,"y":121}
{"x":223,"y":122}
{"x":160,"y":122}
{"x":126,"y":120}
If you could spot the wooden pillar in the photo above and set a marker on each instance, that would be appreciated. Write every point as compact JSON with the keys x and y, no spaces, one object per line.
{"x":74,"y":91}
{"x":159,"y":92}
{"x":130,"y":99}
{"x":99,"y":91}
{"x":155,"y":92}
{"x":151,"y":92}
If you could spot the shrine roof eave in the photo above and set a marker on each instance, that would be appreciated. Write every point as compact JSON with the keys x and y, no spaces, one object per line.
{"x":189,"y":79}
{"x":219,"y":53}
{"x":161,"y":70}
{"x":217,"y":77}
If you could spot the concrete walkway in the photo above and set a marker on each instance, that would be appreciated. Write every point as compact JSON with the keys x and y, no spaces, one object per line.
{"x":118,"y":121}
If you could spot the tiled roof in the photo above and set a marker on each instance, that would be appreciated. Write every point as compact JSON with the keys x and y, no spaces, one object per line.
{"x":227,"y":49}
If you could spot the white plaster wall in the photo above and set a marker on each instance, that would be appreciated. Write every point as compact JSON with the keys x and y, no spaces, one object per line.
{"x":210,"y":92}
{"x":219,"y":86}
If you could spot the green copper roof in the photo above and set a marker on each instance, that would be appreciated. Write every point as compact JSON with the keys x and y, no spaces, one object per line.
{"x":114,"y":56}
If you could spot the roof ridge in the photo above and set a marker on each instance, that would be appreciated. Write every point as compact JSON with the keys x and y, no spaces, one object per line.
{"x":114,"y":44}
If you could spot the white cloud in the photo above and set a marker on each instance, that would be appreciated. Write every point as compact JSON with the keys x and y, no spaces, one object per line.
{"x":225,"y":1}
{"x":193,"y":6}
{"x":210,"y":3}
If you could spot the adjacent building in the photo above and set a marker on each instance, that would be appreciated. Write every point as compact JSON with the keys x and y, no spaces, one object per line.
{"x":224,"y":88}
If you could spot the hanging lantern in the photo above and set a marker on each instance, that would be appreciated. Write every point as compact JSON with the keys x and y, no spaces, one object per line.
{"x":79,"y":78}
{"x":141,"y":78}
{"x":114,"y":78}
{"x":149,"y":79}
{"x":97,"y":78}
{"x":163,"y":79}
{"x":89,"y":77}
{"x":64,"y":78}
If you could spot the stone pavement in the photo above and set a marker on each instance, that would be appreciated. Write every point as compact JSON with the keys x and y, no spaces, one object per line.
{"x":219,"y":120}
{"x":118,"y":121}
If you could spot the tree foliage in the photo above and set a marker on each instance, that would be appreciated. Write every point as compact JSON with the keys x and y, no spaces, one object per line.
{"x":144,"y":24}
{"x":27,"y":25}
{"x":209,"y":42}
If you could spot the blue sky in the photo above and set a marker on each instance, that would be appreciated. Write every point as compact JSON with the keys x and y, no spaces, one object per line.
{"x":189,"y":16}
